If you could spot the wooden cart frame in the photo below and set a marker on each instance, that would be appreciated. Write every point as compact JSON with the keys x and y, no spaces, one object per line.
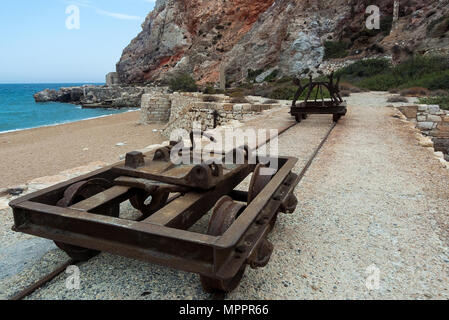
{"x":163,"y":237}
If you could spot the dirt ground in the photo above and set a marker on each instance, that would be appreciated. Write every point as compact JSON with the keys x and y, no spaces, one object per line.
{"x":34,"y":153}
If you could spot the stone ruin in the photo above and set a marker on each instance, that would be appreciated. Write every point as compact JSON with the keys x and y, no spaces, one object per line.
{"x":112,"y":79}
{"x":181,"y":110}
{"x":433,"y":122}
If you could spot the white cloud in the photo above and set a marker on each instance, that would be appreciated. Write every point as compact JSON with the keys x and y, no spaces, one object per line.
{"x":116,"y":15}
{"x":120,"y":16}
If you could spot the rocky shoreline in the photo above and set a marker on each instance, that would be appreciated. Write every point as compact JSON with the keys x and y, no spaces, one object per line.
{"x":90,"y":96}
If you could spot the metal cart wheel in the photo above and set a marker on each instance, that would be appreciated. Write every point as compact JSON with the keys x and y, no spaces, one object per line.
{"x":337,"y":117}
{"x":258,"y":182}
{"x":301,"y":116}
{"x":77,"y":193}
{"x":158,"y":200}
{"x":224,"y":214}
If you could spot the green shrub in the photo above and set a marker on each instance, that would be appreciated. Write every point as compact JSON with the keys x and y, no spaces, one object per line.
{"x":414,"y":92}
{"x":236,"y":93}
{"x":417,"y":66}
{"x":397,"y":99}
{"x":272,"y":76}
{"x":209,"y":90}
{"x":287,"y":92}
{"x":183,"y":82}
{"x":285,"y":79}
{"x":434,"y":81}
{"x":431,"y":72}
{"x":363,"y":69}
{"x":253,"y":74}
{"x":381,"y":82}
{"x":439,"y":81}
{"x":442,"y":101}
{"x":334,"y":50}
{"x":283,"y":93}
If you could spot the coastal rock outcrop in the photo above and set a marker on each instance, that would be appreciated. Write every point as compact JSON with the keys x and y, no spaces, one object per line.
{"x":203,"y":36}
{"x":95,"y":96}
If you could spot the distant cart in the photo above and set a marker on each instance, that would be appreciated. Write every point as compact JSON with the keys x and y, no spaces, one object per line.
{"x":320,"y":105}
{"x":82,"y":215}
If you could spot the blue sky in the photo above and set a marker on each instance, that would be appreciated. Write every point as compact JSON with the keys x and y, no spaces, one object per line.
{"x":37,"y":47}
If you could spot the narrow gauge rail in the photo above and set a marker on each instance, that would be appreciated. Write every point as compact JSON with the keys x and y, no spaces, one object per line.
{"x":246,"y":245}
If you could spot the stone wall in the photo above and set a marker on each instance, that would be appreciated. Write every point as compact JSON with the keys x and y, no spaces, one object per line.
{"x":155,"y":108}
{"x":209,"y":114}
{"x":181,"y":110}
{"x":432,"y":122}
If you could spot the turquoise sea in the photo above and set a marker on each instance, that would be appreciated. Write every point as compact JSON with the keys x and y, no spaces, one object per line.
{"x":19,"y":111}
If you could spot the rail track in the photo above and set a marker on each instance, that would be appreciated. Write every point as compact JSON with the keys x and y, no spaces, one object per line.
{"x":215,"y":296}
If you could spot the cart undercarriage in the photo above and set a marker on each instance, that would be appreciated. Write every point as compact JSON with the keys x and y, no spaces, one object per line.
{"x":82,"y":215}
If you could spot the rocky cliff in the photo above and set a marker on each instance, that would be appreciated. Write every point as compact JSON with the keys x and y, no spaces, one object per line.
{"x":203,"y":36}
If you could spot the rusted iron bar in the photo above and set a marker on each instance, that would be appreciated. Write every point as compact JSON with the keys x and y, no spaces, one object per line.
{"x":31,"y":289}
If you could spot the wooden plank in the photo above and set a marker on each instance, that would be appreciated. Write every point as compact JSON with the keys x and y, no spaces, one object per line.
{"x":166,"y":215}
{"x":114,"y":194}
{"x":186,"y":210}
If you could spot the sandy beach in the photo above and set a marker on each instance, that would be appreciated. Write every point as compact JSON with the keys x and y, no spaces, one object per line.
{"x":46,"y":151}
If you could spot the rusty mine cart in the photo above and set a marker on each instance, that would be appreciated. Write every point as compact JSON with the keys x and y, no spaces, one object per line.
{"x":335,"y":105}
{"x":82,"y":215}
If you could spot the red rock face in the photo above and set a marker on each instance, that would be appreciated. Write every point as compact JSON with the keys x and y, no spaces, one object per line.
{"x":199,"y":36}
{"x":200,"y":26}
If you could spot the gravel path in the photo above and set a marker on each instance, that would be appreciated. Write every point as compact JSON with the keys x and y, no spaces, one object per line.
{"x":373,"y":197}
